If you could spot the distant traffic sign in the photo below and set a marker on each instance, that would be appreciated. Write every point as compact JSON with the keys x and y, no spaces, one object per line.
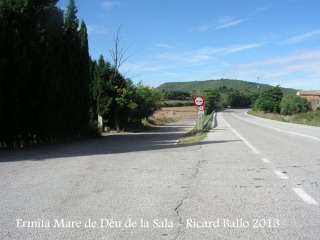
{"x":198,"y":101}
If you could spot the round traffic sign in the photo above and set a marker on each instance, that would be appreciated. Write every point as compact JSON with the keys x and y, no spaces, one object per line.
{"x":201,"y":108}
{"x":198,"y":101}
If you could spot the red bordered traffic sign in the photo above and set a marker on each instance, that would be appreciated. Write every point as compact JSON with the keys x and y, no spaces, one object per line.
{"x":198,"y":101}
{"x":201,"y":108}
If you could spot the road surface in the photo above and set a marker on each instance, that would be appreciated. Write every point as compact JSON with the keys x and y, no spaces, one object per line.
{"x":251,"y":178}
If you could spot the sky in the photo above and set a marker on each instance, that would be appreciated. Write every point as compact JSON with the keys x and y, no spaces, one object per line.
{"x":276,"y":42}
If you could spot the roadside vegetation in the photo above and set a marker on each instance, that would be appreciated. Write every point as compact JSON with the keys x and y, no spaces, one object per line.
{"x":195,"y":135}
{"x":159,"y":120}
{"x":270,"y":103}
{"x":311,"y":118}
{"x":274,"y":105}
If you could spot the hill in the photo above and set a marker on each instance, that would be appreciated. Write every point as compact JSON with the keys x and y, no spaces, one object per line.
{"x":238,"y":85}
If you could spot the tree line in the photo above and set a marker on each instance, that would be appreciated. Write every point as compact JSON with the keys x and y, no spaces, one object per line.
{"x":271,"y":100}
{"x":117,"y":99}
{"x":274,"y":101}
{"x":50,"y":89}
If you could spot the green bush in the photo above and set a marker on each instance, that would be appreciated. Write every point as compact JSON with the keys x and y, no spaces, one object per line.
{"x":269,"y":100}
{"x":212,"y":100}
{"x":291,"y":104}
{"x":238,"y":99}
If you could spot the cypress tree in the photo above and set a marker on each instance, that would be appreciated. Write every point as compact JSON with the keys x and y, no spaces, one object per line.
{"x":102,"y":88}
{"x":29,"y":37}
{"x":84,"y":74}
{"x":93,"y":115}
{"x":44,"y":73}
{"x":71,"y":119}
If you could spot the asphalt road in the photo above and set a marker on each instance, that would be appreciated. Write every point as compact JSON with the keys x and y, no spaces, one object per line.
{"x":250,"y":178}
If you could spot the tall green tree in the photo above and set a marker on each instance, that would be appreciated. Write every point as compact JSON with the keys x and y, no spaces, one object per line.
{"x":84,"y":80}
{"x":30,"y":54}
{"x":145,"y":101}
{"x":238,"y":99}
{"x":71,"y":22}
{"x":44,"y":73}
{"x":102,"y":89}
{"x":93,"y":115}
{"x":75,"y":86}
{"x":212,"y":100}
{"x":119,"y":55}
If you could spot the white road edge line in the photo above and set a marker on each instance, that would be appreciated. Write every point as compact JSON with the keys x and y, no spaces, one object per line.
{"x":266,"y":160}
{"x":245,"y":141}
{"x":281,"y":174}
{"x":291,"y":132}
{"x":305,"y":196}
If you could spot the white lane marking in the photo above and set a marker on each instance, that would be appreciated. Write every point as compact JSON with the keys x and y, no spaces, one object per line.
{"x":266,"y":160}
{"x":245,"y":141}
{"x":281,"y":174}
{"x":305,"y":196}
{"x":291,"y":132}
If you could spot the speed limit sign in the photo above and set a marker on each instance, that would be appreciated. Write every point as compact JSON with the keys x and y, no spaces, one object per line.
{"x":198,"y":101}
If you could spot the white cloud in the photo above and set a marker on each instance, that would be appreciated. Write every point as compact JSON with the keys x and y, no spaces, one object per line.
{"x":203,"y":28}
{"x":166,"y":46}
{"x":239,"y":48}
{"x":303,"y":37}
{"x":94,"y":29}
{"x":205,"y":55}
{"x":306,"y":56}
{"x":109,"y":4}
{"x":230,"y":23}
{"x":263,"y":8}
{"x":224,"y":22}
{"x":299,"y":70}
{"x":141,"y":66}
{"x":175,"y":64}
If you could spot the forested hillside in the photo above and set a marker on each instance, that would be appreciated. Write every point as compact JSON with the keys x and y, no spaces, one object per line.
{"x":237,"y":85}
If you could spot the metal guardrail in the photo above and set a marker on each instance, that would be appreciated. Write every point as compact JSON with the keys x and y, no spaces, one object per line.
{"x":206,"y":123}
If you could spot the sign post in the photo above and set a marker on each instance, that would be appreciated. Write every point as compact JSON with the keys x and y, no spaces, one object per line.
{"x":199,"y":102}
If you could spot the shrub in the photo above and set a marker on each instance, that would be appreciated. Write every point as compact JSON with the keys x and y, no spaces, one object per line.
{"x":291,"y":104}
{"x":269,"y":100}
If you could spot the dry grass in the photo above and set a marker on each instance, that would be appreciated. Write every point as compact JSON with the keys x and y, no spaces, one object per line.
{"x":178,"y":112}
{"x":309,"y":118}
{"x":194,"y":135}
{"x":168,"y":115}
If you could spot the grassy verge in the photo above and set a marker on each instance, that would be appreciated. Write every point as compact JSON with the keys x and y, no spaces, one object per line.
{"x":194,"y":136}
{"x":146,"y":124}
{"x":309,"y":118}
{"x":159,"y":120}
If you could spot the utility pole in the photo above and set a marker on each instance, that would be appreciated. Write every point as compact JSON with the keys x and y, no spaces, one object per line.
{"x":258,"y":87}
